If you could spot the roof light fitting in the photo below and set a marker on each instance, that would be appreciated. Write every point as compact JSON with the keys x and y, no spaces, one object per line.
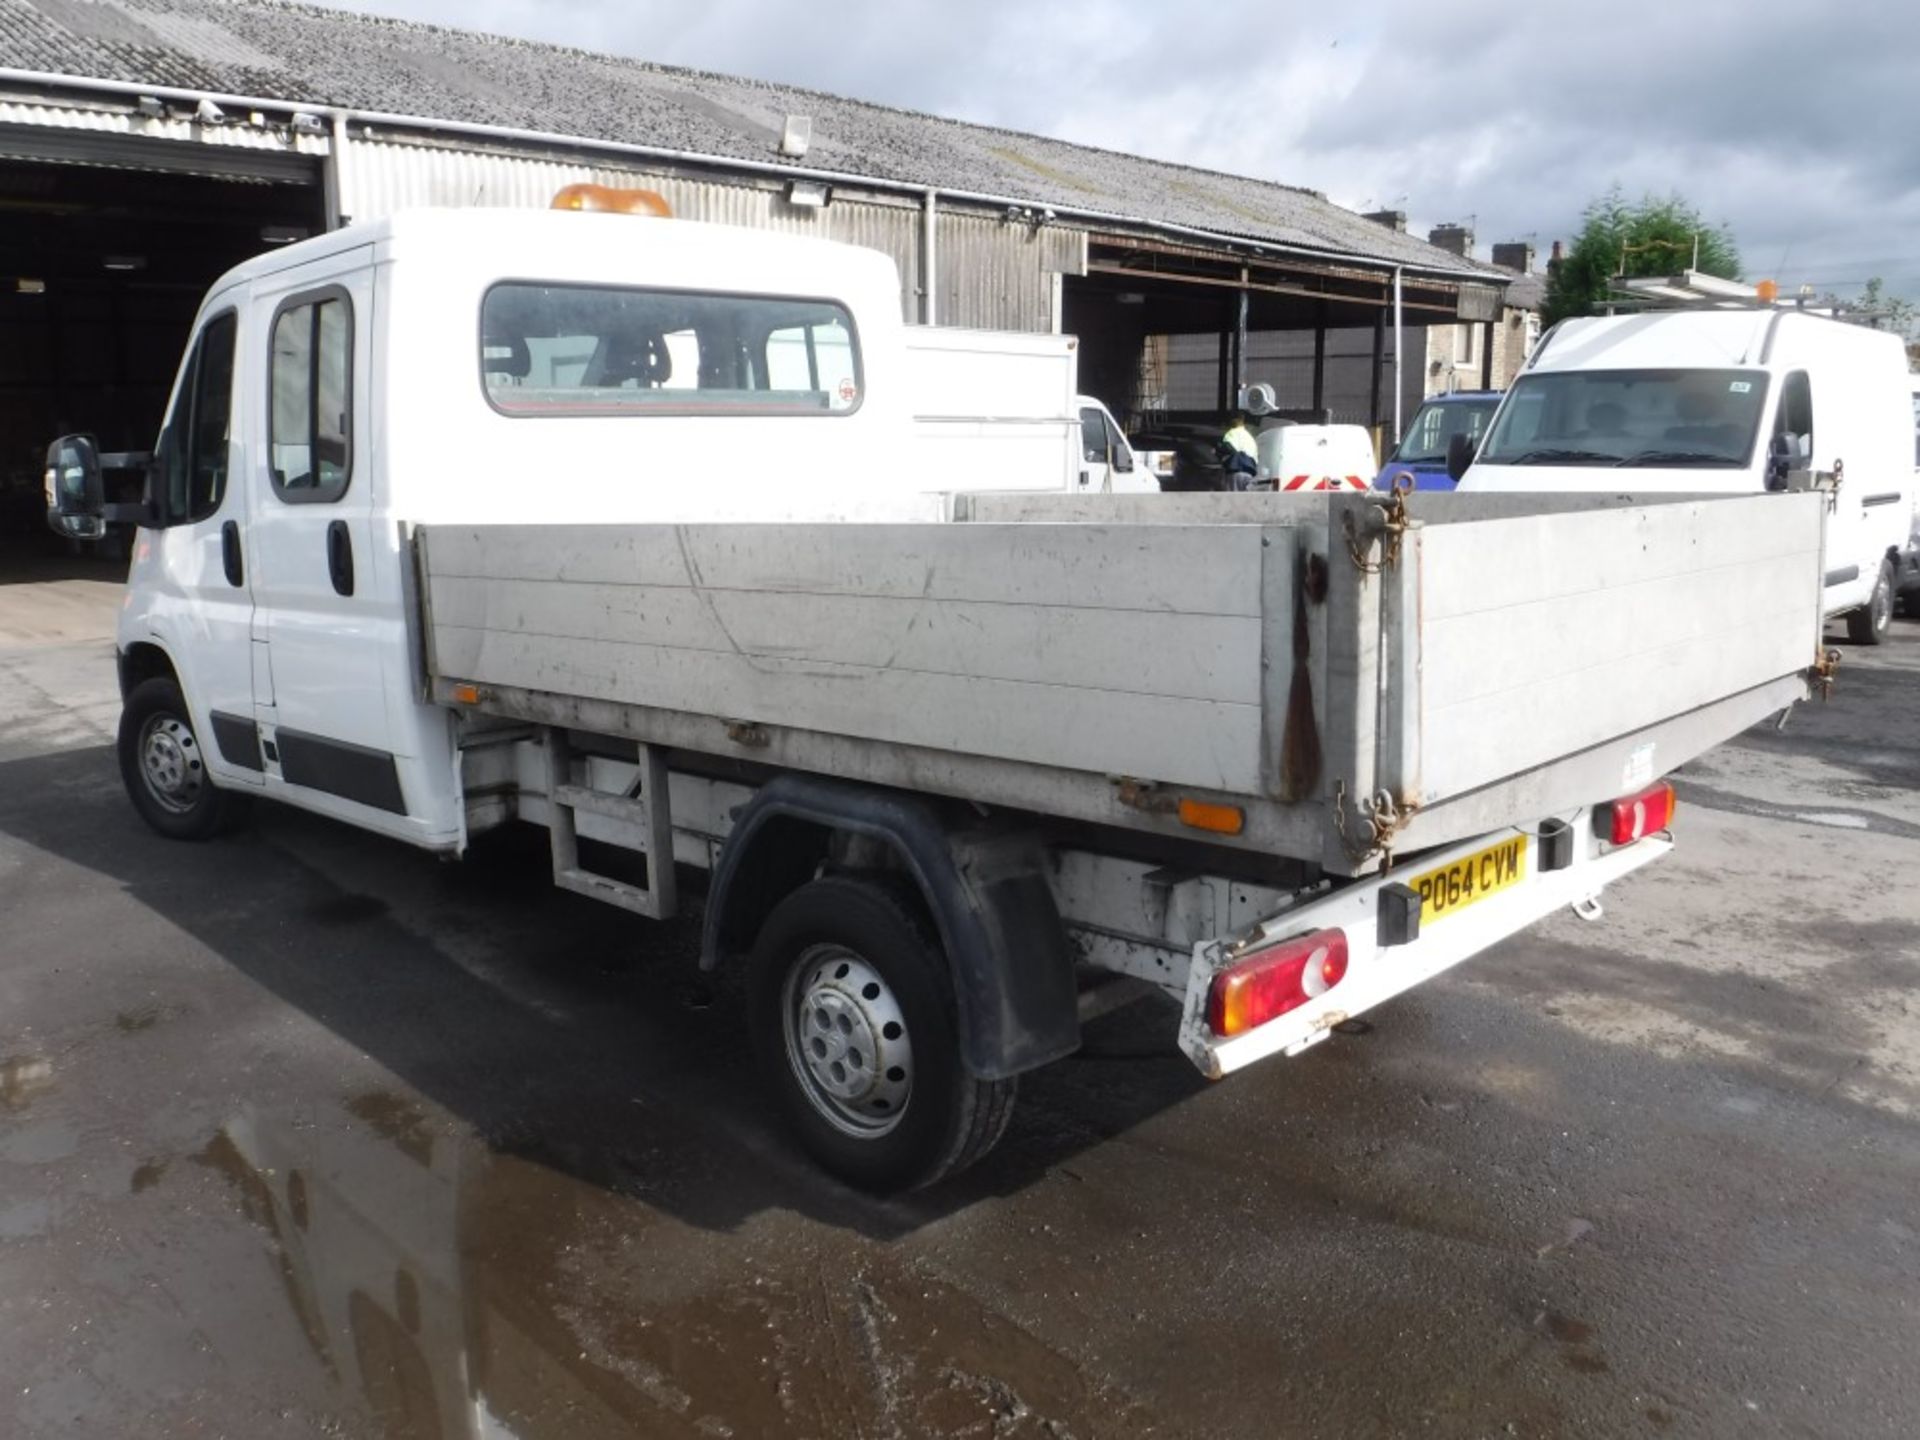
{"x":151,"y":106}
{"x":808,"y":194}
{"x":308,"y":124}
{"x":208,"y":113}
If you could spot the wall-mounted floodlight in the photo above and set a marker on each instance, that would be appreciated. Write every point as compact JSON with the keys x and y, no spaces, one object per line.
{"x":24,"y":286}
{"x":308,"y":124}
{"x":797,"y":136}
{"x":208,"y":113}
{"x":808,"y":194}
{"x":151,"y":106}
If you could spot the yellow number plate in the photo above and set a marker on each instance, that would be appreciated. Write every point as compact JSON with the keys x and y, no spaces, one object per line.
{"x":1472,"y":877}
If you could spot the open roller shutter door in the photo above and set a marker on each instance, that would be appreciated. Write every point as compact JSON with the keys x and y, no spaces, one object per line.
{"x":124,"y":152}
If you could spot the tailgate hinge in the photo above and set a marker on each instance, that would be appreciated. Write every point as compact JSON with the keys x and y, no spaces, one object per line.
{"x":1826,"y":665}
{"x":1380,"y":820}
{"x":1387,"y":518}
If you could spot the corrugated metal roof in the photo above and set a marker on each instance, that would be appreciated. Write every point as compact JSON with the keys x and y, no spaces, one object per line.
{"x":305,"y":55}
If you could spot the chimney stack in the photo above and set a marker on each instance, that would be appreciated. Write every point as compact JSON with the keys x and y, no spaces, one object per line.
{"x":1455,"y":239}
{"x":1394,"y":220}
{"x":1514,"y":255}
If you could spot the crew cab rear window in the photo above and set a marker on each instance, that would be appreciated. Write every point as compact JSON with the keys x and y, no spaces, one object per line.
{"x":610,"y":350}
{"x":310,"y":432}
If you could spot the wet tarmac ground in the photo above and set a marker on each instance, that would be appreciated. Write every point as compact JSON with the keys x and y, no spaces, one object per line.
{"x":304,"y":1133}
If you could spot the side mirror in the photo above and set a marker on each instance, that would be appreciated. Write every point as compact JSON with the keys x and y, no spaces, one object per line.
{"x":1122,"y":460}
{"x":1786,"y":454}
{"x":1460,"y":451}
{"x":76,"y":495}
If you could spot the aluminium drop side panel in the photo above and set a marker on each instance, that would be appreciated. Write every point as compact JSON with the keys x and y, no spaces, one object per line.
{"x":1123,"y":650}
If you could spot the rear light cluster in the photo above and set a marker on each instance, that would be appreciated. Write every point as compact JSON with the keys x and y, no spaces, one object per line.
{"x":1637,"y":816}
{"x":1280,"y":978}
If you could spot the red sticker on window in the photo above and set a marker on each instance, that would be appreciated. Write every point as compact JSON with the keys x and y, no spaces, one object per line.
{"x":848,"y":390}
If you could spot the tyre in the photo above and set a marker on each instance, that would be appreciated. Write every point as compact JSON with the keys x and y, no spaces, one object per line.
{"x":163,"y":768}
{"x":855,"y":1031}
{"x":1870,"y":623}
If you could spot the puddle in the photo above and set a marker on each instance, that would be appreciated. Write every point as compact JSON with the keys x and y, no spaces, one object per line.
{"x":39,"y":1144}
{"x":22,"y":1078}
{"x":132,"y":1022}
{"x":25,"y":1219}
{"x":435,"y":1278}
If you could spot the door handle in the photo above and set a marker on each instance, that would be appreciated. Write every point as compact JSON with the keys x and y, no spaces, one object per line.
{"x":340,"y":557}
{"x":230,"y":553}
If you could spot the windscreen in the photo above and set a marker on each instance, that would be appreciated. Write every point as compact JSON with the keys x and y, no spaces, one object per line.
{"x":1435,"y":426}
{"x":1651,"y":418}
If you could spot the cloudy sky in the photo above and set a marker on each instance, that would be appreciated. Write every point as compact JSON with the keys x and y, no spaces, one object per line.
{"x":1794,"y":124}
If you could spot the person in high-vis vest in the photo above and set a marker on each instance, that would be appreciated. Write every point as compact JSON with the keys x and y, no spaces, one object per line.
{"x":1239,"y":454}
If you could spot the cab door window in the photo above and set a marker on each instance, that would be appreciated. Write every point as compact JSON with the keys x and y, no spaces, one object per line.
{"x":1093,"y":436}
{"x":194,"y":448}
{"x":310,"y":380}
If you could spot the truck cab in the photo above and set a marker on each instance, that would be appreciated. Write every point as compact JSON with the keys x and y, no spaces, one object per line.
{"x":283,"y":481}
{"x":1725,"y":401}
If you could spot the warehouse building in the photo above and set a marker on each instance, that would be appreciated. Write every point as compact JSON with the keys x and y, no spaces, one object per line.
{"x":148,"y":145}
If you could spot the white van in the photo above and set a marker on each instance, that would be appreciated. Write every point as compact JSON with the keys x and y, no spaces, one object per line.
{"x":1724,"y":400}
{"x":1317,"y":457}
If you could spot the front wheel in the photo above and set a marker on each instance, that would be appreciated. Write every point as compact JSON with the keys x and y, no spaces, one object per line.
{"x":1869,"y":624}
{"x":164,"y":768}
{"x":855,"y":1031}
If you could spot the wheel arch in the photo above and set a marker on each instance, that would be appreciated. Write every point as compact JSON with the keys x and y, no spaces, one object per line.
{"x":985,"y":889}
{"x":144,"y":660}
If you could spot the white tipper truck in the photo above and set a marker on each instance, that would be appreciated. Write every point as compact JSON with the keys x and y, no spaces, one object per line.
{"x":609,"y":525}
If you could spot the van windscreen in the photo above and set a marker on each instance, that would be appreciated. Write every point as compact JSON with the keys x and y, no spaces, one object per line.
{"x":1626,"y":418}
{"x":550,"y":349}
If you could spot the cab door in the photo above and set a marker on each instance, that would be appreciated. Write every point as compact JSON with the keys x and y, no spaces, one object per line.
{"x":325,"y":725}
{"x":191,"y":570}
{"x":1096,"y":450}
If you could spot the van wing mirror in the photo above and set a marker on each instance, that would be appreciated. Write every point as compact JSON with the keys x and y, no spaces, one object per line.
{"x":1788,"y":456}
{"x":1122,"y":459}
{"x":76,"y":495}
{"x":1460,"y":453}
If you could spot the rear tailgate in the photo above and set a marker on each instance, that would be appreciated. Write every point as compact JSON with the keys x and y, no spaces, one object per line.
{"x":1506,"y":664}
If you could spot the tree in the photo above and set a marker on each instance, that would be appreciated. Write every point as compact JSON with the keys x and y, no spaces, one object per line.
{"x":1655,"y":236}
{"x":1884,"y":311}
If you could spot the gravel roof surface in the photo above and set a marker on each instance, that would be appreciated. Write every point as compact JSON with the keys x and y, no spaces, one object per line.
{"x":303,"y":54}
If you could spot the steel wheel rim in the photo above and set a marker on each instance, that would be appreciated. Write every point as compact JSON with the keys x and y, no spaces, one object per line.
{"x":170,"y":765}
{"x":847,"y":1041}
{"x":1882,"y":606}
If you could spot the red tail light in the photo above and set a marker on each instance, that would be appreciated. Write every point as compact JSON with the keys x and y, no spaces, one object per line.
{"x":1638,"y":816}
{"x":1278,"y":979}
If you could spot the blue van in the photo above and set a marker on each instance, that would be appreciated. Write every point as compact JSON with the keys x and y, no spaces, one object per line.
{"x":1423,"y":449}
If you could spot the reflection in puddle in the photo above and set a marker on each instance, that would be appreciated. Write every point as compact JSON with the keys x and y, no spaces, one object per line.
{"x":465,"y":1294}
{"x":22,"y":1078}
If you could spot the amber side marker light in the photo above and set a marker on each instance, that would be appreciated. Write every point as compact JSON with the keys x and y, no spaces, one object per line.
{"x":610,"y":200}
{"x":466,"y":694}
{"x":1220,"y":819}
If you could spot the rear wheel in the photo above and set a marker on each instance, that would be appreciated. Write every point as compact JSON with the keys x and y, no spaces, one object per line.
{"x":164,"y":768}
{"x":855,"y":1032}
{"x":1869,"y":624}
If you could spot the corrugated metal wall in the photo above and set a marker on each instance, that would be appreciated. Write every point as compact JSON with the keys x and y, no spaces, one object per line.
{"x":993,"y":274}
{"x":997,"y":274}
